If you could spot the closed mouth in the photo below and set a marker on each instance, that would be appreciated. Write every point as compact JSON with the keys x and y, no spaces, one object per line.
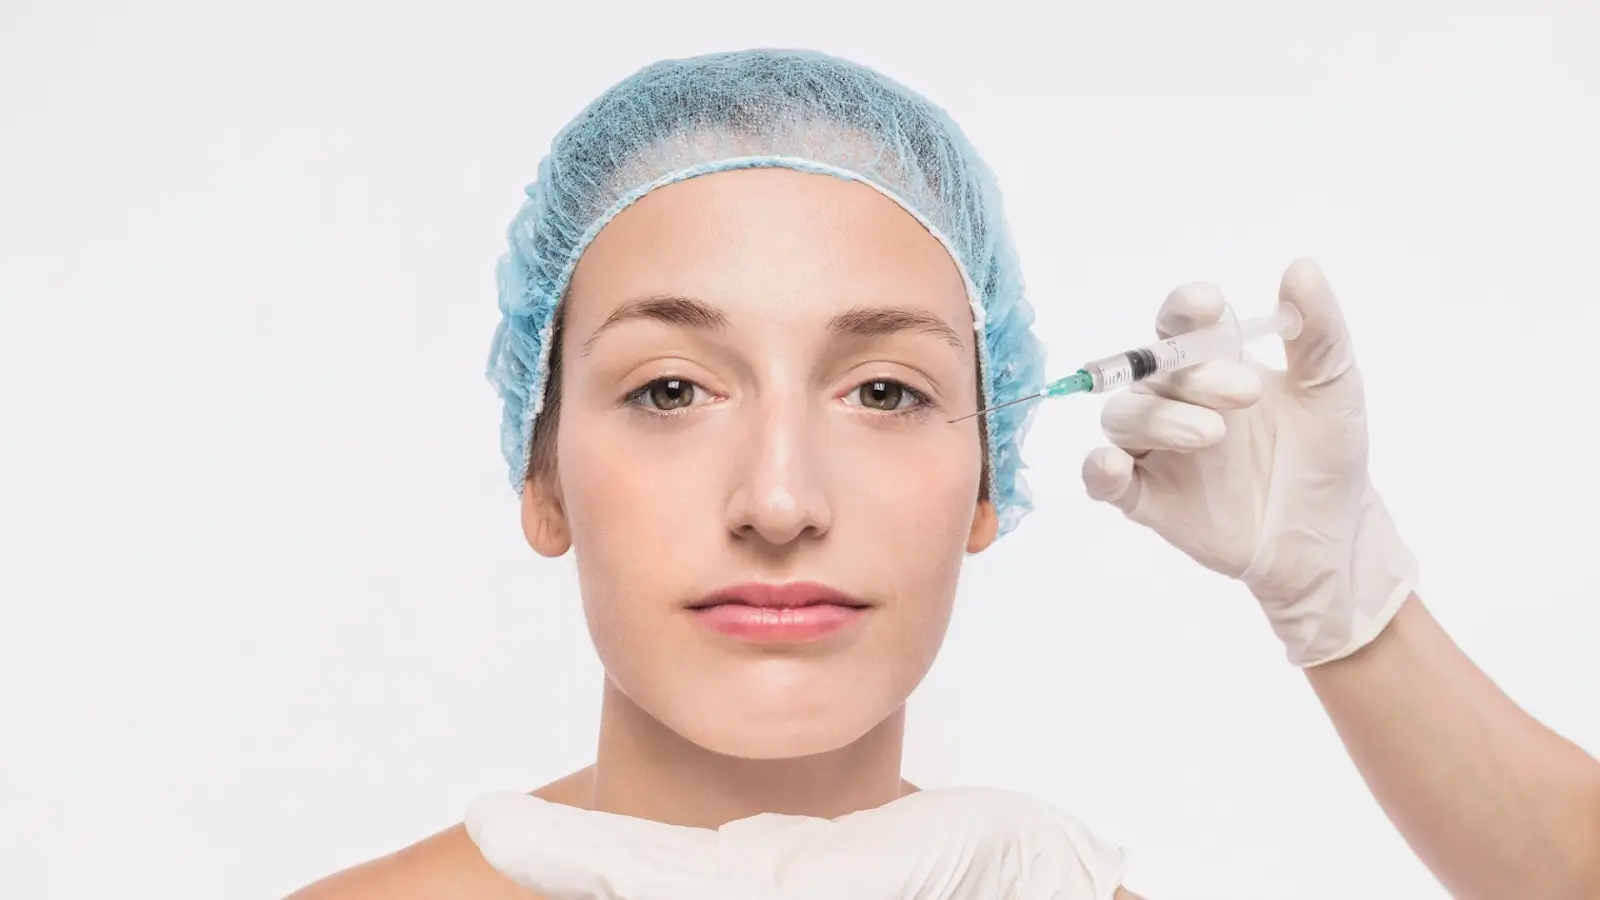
{"x":794,"y":595}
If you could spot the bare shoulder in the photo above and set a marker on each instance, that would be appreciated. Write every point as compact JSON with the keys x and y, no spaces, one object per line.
{"x":1122,"y":894}
{"x":445,"y":866}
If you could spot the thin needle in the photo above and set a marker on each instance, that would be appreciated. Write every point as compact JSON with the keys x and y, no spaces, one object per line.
{"x":1001,"y":406}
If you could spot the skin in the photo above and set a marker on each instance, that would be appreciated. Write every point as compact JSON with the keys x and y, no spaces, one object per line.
{"x":828,"y":339}
{"x":1493,"y":802}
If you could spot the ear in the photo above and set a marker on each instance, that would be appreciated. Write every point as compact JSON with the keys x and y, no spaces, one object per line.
{"x":544,"y":517}
{"x":985,"y":527}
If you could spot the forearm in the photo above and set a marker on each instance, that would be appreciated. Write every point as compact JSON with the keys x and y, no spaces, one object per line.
{"x":1493,"y":802}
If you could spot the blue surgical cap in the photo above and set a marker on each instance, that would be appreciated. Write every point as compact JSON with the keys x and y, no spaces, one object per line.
{"x":792,"y":109}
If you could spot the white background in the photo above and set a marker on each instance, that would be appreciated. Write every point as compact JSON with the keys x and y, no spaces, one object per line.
{"x":267,"y":610}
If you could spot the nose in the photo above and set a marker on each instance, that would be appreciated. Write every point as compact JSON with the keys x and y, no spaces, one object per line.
{"x":779,"y":496}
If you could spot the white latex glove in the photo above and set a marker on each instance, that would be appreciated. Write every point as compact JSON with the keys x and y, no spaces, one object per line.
{"x":1261,"y":475}
{"x":946,"y":844}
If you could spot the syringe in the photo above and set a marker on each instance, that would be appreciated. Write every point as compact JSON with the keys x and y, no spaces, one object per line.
{"x":1225,"y":339}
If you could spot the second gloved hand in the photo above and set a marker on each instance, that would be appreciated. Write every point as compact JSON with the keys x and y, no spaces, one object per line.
{"x":1261,"y":475}
{"x":947,"y":844}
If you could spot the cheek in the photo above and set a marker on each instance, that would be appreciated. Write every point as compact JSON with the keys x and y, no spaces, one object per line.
{"x":642,"y":507}
{"x":624,"y":508}
{"x":905,"y":502}
{"x":905,"y":508}
{"x":618,"y":485}
{"x":925,"y":478}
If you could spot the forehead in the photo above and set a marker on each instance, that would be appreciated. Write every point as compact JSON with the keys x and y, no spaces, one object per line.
{"x":769,"y":245}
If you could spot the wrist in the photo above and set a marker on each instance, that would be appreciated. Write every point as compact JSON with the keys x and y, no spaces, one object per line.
{"x":1348,"y":598}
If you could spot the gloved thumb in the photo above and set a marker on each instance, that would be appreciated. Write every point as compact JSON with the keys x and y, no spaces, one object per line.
{"x":1321,"y":357}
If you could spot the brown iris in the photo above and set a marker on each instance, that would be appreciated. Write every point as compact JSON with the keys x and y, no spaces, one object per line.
{"x":884,"y":395}
{"x":671,"y":393}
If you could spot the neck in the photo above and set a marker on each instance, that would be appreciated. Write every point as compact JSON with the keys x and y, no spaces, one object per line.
{"x":646,"y":770}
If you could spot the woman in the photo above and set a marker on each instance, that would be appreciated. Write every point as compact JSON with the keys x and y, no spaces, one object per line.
{"x":742,"y":304}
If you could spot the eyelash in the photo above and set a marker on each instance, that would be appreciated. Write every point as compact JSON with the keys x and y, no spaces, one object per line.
{"x":639,"y":397}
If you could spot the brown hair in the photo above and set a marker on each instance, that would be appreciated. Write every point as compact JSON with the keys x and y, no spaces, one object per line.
{"x":542,"y":449}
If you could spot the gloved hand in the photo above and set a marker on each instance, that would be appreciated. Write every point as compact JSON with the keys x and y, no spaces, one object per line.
{"x":1261,"y":475}
{"x":946,"y":844}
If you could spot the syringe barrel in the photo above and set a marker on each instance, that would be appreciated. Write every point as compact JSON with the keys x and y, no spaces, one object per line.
{"x":1219,"y":341}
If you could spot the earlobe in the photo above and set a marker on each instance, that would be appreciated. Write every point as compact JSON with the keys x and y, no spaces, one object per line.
{"x":985,"y":527}
{"x":544,"y":518}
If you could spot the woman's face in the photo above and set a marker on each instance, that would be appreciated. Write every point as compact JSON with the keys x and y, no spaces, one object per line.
{"x":754,"y":463}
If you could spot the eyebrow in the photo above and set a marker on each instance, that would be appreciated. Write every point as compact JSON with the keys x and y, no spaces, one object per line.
{"x":862,"y":321}
{"x":878,"y":321}
{"x":669,"y":309}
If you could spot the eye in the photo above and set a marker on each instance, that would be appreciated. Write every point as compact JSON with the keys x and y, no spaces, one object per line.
{"x":666,"y":394}
{"x":885,"y":395}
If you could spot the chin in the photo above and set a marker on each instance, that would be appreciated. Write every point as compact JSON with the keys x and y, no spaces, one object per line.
{"x":745,"y":739}
{"x":759,"y":718}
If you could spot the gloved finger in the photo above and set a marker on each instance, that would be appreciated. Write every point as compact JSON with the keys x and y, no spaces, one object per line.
{"x":965,"y":842}
{"x":562,"y":853}
{"x":1139,"y":421}
{"x":1191,"y":306}
{"x":1322,"y":353}
{"x":877,"y":854}
{"x":1111,"y":476}
{"x":1219,"y":384}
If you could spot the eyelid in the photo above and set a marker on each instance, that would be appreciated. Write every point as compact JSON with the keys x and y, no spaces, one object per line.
{"x":667,"y":368}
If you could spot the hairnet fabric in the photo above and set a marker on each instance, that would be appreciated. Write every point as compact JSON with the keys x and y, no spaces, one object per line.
{"x":794,"y":109}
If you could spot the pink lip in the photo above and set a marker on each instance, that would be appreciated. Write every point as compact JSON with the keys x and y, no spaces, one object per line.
{"x":779,"y":613}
